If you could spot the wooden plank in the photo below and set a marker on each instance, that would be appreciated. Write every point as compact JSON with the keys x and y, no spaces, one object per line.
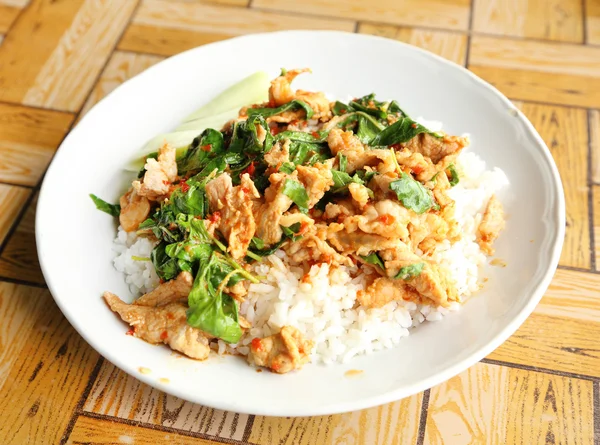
{"x":595,"y":144}
{"x":8,"y":14}
{"x":119,"y":395}
{"x":121,"y":67}
{"x":596,"y":222}
{"x":450,"y":14}
{"x":19,"y":258}
{"x":498,"y":405}
{"x":91,"y":431}
{"x":565,"y":132}
{"x":592,"y":17}
{"x":25,"y":153}
{"x":539,"y":19}
{"x":562,"y":332}
{"x":243,"y":3}
{"x":67,"y":44}
{"x":20,"y":307}
{"x":166,"y":28}
{"x":12,"y":199}
{"x":47,"y":378}
{"x":450,"y":45}
{"x":16,"y":3}
{"x":539,"y":71}
{"x":392,"y":424}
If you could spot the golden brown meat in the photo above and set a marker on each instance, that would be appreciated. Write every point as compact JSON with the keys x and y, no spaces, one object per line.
{"x":279,"y":154}
{"x":160,"y":173}
{"x":360,"y":194}
{"x":318,"y":102}
{"x":491,"y":225}
{"x":386,"y":218}
{"x":134,"y":210}
{"x":171,"y":291}
{"x":383,"y":290}
{"x":165,"y":324}
{"x":270,"y":212}
{"x":235,"y":211}
{"x":346,"y":143}
{"x":282,"y":352}
{"x":314,"y":247}
{"x":357,"y":241}
{"x":436,"y":148}
{"x":281,"y":91}
{"x":316,"y":180}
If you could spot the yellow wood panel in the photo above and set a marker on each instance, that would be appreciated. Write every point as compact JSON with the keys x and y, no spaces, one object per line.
{"x":46,"y":380}
{"x":539,"y":71}
{"x":562,"y":332}
{"x":119,"y":395}
{"x":450,"y":14}
{"x":565,"y":132}
{"x":92,"y":431}
{"x":495,"y":405}
{"x":166,"y":28}
{"x":7,"y":16}
{"x":593,"y":21}
{"x":20,"y":306}
{"x":63,"y":75}
{"x":12,"y":199}
{"x":19,"y":258}
{"x":392,"y":424}
{"x":28,"y":139}
{"x":595,"y":144}
{"x":540,"y":19}
{"x":596,"y":204}
{"x":218,"y":2}
{"x":450,"y":45}
{"x":121,"y":67}
{"x":16,"y":3}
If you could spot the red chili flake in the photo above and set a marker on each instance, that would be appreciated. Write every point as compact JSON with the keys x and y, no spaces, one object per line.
{"x":343,"y":111}
{"x":207,"y":147}
{"x":303,"y":228}
{"x":246,"y":190}
{"x":395,"y":146}
{"x":275,"y":366}
{"x":305,"y":278}
{"x":294,"y":122}
{"x":278,"y":166}
{"x":184,"y":186}
{"x":250,"y":169}
{"x":315,"y":134}
{"x":271,"y":104}
{"x":161,"y":281}
{"x":170,"y":316}
{"x":256,"y":344}
{"x":165,"y":182}
{"x":417,"y":169}
{"x":130,"y":332}
{"x":214,"y":217}
{"x":386,"y":219}
{"x":275,"y":130}
{"x":304,"y":123}
{"x":164,"y":335}
{"x":414,"y":125}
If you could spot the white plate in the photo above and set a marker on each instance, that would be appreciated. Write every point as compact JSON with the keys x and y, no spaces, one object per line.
{"x":74,"y":239}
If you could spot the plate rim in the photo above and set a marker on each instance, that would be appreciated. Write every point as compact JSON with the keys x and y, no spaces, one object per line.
{"x":559,"y":217}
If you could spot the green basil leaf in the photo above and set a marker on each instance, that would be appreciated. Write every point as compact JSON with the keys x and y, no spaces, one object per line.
{"x":412,"y":194}
{"x":297,"y":193}
{"x":410,"y":271}
{"x":454,"y":178}
{"x":290,"y":106}
{"x":111,"y":209}
{"x":373,"y":259}
{"x":343,"y":162}
{"x":403,"y":130}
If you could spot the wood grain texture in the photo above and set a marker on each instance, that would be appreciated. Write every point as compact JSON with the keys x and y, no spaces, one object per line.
{"x":20,"y":307}
{"x":19,"y":258}
{"x":46,"y":380}
{"x":8,"y":14}
{"x":539,"y":19}
{"x":25,"y":152}
{"x":392,"y":424}
{"x":596,"y":216}
{"x":595,"y":144}
{"x":592,"y":18}
{"x":565,"y":132}
{"x":67,"y":66}
{"x":450,"y":14}
{"x":450,"y":45}
{"x":493,"y":405}
{"x":90,"y":431}
{"x":538,"y":71}
{"x":119,"y":395}
{"x":166,"y":28}
{"x":562,"y":332}
{"x":16,"y":3}
{"x":121,"y":67}
{"x":12,"y":199}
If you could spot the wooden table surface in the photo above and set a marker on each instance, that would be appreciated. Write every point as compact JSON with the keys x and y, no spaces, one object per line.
{"x":59,"y":57}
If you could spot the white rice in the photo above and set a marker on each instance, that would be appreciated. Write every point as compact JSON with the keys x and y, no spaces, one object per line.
{"x":323,"y":307}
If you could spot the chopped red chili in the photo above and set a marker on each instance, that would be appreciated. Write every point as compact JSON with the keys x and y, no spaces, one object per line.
{"x":207,"y":147}
{"x":215,"y":217}
{"x":164,"y":335}
{"x":395,"y":146}
{"x":184,"y":186}
{"x":130,"y":332}
{"x":315,"y":134}
{"x":414,"y":125}
{"x":250,"y":169}
{"x":257,"y":344}
{"x":386,"y":219}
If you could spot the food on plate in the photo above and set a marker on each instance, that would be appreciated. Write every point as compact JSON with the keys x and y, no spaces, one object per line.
{"x":302,"y":229}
